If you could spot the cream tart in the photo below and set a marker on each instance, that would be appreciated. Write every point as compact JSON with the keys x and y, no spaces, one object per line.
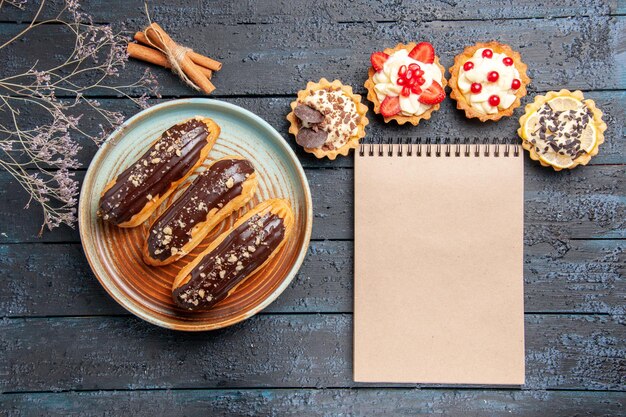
{"x":562,"y":129}
{"x":327,"y":119}
{"x":488,"y":80}
{"x":406,"y":83}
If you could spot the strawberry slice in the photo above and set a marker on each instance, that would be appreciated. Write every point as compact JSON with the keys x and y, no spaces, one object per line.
{"x":378,"y":59}
{"x":433,"y":94}
{"x":423,"y":52}
{"x":390,"y":106}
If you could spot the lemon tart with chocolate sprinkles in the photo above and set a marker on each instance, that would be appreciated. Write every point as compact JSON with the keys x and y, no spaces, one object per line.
{"x":562,"y":129}
{"x":327,"y":119}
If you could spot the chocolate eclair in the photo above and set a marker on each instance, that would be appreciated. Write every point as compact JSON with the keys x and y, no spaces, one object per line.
{"x":225,"y":186}
{"x":133,"y":195}
{"x":235,"y":255}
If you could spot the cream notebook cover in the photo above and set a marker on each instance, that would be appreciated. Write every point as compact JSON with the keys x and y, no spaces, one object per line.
{"x":438,"y":264}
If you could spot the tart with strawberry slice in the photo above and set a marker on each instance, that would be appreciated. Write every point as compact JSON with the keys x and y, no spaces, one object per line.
{"x":488,"y":80}
{"x":406,"y":83}
{"x":327,"y":119}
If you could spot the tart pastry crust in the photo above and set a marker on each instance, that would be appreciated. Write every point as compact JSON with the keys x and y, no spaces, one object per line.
{"x":353,"y":141}
{"x":540,"y":100}
{"x":400,"y":119}
{"x":467,"y":54}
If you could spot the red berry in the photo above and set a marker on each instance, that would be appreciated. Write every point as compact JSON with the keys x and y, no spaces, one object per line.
{"x":468,"y":65}
{"x":423,"y":52}
{"x":515,"y":84}
{"x":410,"y":79}
{"x":476,"y":88}
{"x":487,"y":53}
{"x":493,"y":76}
{"x":390,"y":106}
{"x":494,"y":100}
{"x":508,"y":61}
{"x":378,"y":60}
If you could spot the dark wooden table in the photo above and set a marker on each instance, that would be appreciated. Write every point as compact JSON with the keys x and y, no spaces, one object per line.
{"x":67,"y":348}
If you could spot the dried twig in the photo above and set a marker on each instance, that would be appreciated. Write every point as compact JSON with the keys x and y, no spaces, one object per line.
{"x":42,"y":158}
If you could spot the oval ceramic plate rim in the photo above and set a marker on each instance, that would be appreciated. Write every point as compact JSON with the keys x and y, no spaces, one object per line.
{"x":84,"y":212}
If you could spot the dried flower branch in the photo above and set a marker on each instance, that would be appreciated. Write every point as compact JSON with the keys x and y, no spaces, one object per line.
{"x":20,"y":4}
{"x":42,"y":158}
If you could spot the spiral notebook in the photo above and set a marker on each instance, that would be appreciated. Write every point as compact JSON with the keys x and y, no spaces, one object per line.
{"x":438,"y":263}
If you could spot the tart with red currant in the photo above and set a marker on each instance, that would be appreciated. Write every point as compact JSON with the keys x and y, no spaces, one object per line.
{"x":327,"y":119}
{"x":406,"y":83}
{"x":488,"y":80}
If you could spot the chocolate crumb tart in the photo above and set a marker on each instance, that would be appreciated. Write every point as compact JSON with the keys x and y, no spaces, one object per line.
{"x":562,"y":129}
{"x":328,"y":119}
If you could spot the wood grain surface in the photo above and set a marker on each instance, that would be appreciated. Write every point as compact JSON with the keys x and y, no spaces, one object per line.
{"x":575,"y":276}
{"x":320,"y":403}
{"x":279,"y":58}
{"x":69,"y":349}
{"x":299,"y":350}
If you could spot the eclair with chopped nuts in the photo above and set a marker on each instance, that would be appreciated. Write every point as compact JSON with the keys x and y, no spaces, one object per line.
{"x":130,"y":198}
{"x":225,"y":186}
{"x":234,"y":256}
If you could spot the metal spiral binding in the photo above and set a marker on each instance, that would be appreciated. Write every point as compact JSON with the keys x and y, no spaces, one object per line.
{"x":437,"y":147}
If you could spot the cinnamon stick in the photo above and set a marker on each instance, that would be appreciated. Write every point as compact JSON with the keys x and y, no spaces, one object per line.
{"x":160,"y":38}
{"x":153,"y":56}
{"x":195,"y":57}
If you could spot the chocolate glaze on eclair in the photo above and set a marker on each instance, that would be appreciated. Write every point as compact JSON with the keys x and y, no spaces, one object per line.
{"x":225,"y":186}
{"x":129,"y":199}
{"x":234,"y":256}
